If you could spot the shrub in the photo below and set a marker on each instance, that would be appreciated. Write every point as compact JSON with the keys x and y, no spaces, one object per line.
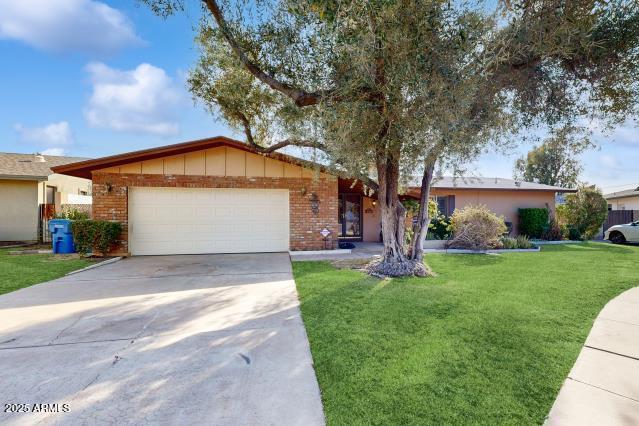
{"x":508,"y":243}
{"x":521,"y":242}
{"x":95,"y":235}
{"x":533,"y":221}
{"x":476,"y":228}
{"x":440,"y":227}
{"x":552,"y":231}
{"x":583,"y":213}
{"x":72,"y":213}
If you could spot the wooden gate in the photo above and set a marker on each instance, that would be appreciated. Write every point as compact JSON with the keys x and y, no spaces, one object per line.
{"x":617,"y":217}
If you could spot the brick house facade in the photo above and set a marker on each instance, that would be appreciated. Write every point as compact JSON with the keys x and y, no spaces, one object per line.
{"x":110,"y":201}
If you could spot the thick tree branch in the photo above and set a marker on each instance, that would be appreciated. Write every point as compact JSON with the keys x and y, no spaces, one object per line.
{"x":303,"y":143}
{"x":300,"y":97}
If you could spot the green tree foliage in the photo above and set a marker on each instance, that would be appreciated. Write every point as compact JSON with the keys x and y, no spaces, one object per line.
{"x":533,"y":221}
{"x":583,"y":213}
{"x":405,"y":86}
{"x":555,"y":162}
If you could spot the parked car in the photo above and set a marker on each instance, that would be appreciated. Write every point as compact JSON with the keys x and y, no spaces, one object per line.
{"x":620,"y":234}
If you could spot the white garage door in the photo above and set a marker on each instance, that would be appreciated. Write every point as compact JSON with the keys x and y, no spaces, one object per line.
{"x":192,"y":221}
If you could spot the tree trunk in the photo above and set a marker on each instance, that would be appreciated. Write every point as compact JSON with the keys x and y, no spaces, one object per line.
{"x":394,"y":261}
{"x":420,"y":228}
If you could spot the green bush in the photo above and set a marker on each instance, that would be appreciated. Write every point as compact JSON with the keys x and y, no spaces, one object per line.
{"x":72,"y":213}
{"x":476,"y":228}
{"x":584,"y":213}
{"x":440,"y":228}
{"x":95,"y":235}
{"x":533,"y":221}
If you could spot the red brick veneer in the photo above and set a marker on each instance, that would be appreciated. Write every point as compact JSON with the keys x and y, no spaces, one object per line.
{"x":110,"y":201}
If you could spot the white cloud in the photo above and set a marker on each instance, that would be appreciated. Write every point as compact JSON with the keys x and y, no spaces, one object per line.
{"x":142,"y":100}
{"x":67,"y":25}
{"x":52,"y":134}
{"x":53,"y":151}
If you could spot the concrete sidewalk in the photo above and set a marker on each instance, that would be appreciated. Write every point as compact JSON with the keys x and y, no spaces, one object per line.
{"x":603,"y":386}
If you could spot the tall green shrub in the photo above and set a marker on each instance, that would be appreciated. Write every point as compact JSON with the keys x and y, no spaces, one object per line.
{"x":95,"y":235}
{"x":583,"y":213}
{"x":533,"y":221}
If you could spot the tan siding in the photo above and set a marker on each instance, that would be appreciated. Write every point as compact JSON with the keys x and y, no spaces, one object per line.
{"x":292,"y":171}
{"x":254,"y":165}
{"x":273,"y":168}
{"x":221,"y":161}
{"x":174,"y":165}
{"x":216,"y":161}
{"x":131,"y":168}
{"x":115,"y":169}
{"x":153,"y":167}
{"x":235,"y":162}
{"x":195,"y":163}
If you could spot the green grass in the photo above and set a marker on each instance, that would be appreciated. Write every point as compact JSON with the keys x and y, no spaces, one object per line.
{"x":488,"y":341}
{"x":18,"y":271}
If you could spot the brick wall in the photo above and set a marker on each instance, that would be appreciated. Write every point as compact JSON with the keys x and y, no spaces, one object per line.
{"x":110,"y":201}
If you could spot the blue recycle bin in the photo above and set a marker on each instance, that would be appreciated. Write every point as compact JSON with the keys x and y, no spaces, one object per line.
{"x":61,"y":236}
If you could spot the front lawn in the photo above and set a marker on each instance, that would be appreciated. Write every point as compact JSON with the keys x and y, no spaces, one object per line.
{"x":490,"y":340}
{"x":18,"y":271}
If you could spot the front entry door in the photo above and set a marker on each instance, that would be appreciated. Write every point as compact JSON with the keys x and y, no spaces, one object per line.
{"x":350,"y":215}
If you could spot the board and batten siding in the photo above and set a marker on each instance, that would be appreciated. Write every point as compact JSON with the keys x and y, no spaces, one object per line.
{"x":219,"y":161}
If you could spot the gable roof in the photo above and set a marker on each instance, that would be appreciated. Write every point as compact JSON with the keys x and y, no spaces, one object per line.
{"x":31,"y":166}
{"x":623,"y":194}
{"x":492,"y":183}
{"x":84,"y":168}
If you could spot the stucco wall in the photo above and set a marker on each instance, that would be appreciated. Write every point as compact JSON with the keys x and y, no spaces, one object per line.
{"x":628,"y":203}
{"x":504,"y":203}
{"x":372,"y":225}
{"x":19,"y":211}
{"x":65,"y":185}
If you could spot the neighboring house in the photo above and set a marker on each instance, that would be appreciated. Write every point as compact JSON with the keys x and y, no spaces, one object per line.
{"x":219,"y":195}
{"x":502,"y":196}
{"x":623,"y":200}
{"x":31,"y":192}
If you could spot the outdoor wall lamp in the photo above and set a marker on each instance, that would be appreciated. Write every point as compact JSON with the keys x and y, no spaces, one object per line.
{"x":314,"y":203}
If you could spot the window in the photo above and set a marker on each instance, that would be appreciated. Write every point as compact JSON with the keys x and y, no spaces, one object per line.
{"x":50,"y":195}
{"x":442,"y":205}
{"x":83,"y":192}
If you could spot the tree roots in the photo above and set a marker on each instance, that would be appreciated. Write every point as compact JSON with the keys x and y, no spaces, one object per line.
{"x":382,"y":269}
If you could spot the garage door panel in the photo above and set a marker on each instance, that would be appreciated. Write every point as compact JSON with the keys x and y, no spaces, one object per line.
{"x":191,"y":221}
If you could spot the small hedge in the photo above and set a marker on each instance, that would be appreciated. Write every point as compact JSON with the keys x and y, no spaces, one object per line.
{"x":95,"y":235}
{"x":533,"y":222}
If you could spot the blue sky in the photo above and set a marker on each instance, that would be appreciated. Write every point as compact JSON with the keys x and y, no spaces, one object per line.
{"x":92,"y":78}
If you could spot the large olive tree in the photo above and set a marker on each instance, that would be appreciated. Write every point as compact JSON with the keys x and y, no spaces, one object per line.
{"x":383,"y":88}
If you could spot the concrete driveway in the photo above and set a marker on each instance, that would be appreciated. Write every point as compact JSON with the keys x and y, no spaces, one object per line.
{"x":207,"y":339}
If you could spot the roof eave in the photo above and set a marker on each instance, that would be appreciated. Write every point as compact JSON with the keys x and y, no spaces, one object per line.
{"x":84,"y":169}
{"x":24,"y":177}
